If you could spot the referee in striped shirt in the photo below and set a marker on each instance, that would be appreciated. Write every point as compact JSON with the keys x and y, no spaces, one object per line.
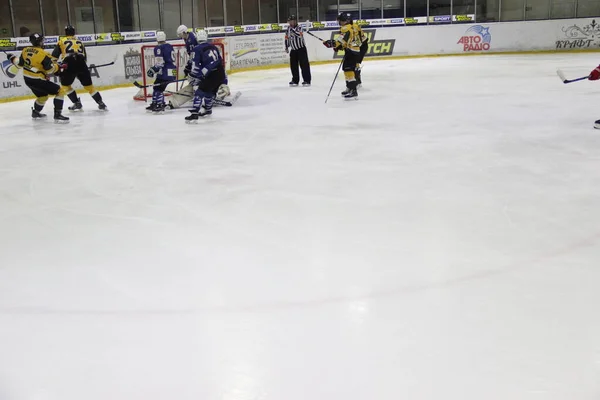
{"x":295,"y":46}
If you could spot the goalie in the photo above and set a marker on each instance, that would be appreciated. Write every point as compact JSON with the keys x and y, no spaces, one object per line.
{"x":186,"y":93}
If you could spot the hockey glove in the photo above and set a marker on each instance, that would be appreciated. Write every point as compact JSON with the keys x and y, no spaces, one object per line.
{"x":62,"y":67}
{"x":10,"y":57}
{"x":152,"y":71}
{"x":328,"y":43}
{"x":595,"y":74}
{"x":187,"y":69}
{"x":195,"y":80}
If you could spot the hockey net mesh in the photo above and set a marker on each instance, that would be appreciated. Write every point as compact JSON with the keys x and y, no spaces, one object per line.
{"x":181,"y":59}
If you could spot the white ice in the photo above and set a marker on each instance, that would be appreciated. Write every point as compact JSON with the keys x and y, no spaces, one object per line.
{"x":437,"y":239}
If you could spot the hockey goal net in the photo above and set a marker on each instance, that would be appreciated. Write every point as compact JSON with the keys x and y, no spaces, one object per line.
{"x":181,"y":58}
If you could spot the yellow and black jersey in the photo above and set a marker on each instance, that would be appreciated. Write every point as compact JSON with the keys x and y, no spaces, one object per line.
{"x":69,"y":45}
{"x":349,"y":38}
{"x":36,"y":63}
{"x":361,"y":35}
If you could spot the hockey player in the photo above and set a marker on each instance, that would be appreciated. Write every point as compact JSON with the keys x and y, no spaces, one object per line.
{"x":164,"y":70}
{"x":206,"y":77}
{"x":37,"y":67}
{"x":349,"y":41}
{"x":190,"y":42}
{"x":186,"y":93}
{"x":73,"y":55}
{"x":594,"y":76}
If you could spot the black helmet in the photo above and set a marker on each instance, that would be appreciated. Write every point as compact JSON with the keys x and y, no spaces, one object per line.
{"x":343,"y":17}
{"x":292,"y":17}
{"x":69,"y":30}
{"x":36,"y":39}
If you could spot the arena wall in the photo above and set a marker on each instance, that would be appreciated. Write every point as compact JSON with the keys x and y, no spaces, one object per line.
{"x":266,"y":50}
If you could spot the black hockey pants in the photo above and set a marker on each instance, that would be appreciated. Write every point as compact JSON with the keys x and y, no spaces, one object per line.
{"x":300,"y":56}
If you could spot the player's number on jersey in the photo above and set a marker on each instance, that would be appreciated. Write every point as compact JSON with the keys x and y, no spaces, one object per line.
{"x":214,"y":55}
{"x":69,"y":44}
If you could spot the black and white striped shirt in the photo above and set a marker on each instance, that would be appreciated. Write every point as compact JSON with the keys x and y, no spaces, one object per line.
{"x":294,"y":38}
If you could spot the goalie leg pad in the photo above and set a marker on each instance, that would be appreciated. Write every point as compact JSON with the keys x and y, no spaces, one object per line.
{"x":184,"y":95}
{"x":223,"y":92}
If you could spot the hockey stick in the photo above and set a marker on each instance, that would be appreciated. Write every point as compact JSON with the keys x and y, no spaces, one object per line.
{"x":229,"y":103}
{"x":564,"y":79}
{"x":216,"y":101}
{"x":140,"y":86}
{"x":335,"y":78}
{"x":315,"y":36}
{"x":101,"y":65}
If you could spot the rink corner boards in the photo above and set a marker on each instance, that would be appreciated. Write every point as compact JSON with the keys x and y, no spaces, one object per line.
{"x":336,"y":61}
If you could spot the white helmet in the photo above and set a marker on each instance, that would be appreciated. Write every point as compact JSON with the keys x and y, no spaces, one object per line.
{"x":161,"y":37}
{"x":181,"y":30}
{"x":201,"y":36}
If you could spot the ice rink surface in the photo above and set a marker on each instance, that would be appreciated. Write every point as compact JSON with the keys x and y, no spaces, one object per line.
{"x":437,"y":239}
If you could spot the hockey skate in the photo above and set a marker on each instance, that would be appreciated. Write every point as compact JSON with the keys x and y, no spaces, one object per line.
{"x":346,"y":92}
{"x":159,"y":108}
{"x":293,"y":84}
{"x":150,"y":108}
{"x":59,"y":118}
{"x":36,"y":114}
{"x":193,"y":117}
{"x":305,"y":84}
{"x":102,"y":106}
{"x":77,"y":106}
{"x":352,"y":94}
{"x":597,"y":124}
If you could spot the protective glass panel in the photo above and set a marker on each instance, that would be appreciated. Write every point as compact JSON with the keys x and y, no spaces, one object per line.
{"x":27,"y":18}
{"x":250,"y":12}
{"x":149,"y":14}
{"x":172,"y":18}
{"x":234,"y":12}
{"x":391,"y":9}
{"x":216,"y":16}
{"x":286,"y":8}
{"x":512,"y":10}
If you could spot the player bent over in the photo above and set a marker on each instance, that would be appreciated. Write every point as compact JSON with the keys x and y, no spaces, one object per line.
{"x":37,"y":67}
{"x":74,"y":57}
{"x":350,"y":42}
{"x":206,"y":76}
{"x":186,"y":93}
{"x":164,"y":69}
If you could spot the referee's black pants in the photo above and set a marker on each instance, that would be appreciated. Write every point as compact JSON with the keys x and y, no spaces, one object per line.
{"x":300,"y":56}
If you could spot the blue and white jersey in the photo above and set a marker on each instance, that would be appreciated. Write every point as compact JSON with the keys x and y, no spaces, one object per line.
{"x":165,"y":61}
{"x":190,"y":42}
{"x":205,"y":59}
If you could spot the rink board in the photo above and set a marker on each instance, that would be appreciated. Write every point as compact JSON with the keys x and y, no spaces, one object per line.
{"x":267,"y":50}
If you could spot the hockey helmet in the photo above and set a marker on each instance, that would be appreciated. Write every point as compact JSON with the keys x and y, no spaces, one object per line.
{"x":343,"y":17}
{"x":182,"y":30}
{"x":69,"y":30}
{"x":202,"y":36}
{"x":161,"y":37}
{"x":292,"y":18}
{"x":36,"y":39}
